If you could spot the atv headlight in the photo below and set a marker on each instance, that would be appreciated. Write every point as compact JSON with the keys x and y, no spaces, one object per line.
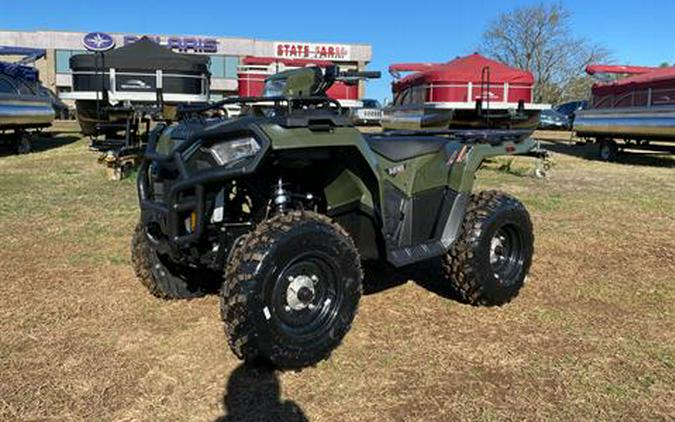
{"x":236,"y":149}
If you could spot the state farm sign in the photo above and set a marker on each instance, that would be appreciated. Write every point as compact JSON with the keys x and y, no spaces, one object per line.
{"x":312,"y":51}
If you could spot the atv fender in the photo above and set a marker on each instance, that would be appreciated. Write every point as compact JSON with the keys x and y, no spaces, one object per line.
{"x":350,"y":203}
{"x":347,"y":191}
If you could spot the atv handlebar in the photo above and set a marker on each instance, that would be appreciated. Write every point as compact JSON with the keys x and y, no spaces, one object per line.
{"x":187,"y":109}
{"x":348,"y":74}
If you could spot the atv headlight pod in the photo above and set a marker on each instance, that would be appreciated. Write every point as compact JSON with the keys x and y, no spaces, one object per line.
{"x":229,"y":151}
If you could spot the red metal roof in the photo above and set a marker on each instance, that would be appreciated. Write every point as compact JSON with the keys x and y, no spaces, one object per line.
{"x":464,"y":70}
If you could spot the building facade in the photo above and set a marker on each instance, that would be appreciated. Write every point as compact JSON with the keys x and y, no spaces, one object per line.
{"x":226,"y":54}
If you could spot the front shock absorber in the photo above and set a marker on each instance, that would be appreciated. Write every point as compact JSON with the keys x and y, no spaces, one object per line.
{"x":284,"y":200}
{"x":281,"y":197}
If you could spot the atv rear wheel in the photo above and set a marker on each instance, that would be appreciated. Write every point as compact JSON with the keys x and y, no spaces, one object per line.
{"x":165,"y":279}
{"x":488,"y":263}
{"x":291,"y":291}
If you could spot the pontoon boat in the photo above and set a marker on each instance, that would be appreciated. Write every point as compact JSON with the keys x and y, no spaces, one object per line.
{"x":466,"y":93}
{"x":23,"y":105}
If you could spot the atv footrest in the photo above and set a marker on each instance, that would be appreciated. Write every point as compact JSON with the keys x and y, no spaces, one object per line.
{"x":408,"y":255}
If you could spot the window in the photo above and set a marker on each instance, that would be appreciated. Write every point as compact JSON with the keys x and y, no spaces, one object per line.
{"x":216,"y":95}
{"x":398,"y":97}
{"x":224,"y":66}
{"x":6,"y":87}
{"x":63,"y":59}
{"x":217,"y":67}
{"x":403,"y":98}
{"x":371,"y":104}
{"x":603,"y":102}
{"x":418,"y":94}
{"x":663,"y":96}
{"x":24,"y":88}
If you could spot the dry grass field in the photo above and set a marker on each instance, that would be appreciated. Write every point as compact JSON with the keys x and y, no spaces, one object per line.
{"x":591,"y":336}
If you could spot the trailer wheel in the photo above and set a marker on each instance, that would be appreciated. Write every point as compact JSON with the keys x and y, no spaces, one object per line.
{"x":23,"y":143}
{"x":488,"y":263}
{"x":608,"y":150}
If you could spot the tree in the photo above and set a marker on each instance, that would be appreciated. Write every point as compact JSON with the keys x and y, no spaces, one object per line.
{"x":538,"y":39}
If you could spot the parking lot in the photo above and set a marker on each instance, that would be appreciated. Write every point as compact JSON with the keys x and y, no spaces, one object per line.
{"x":591,"y":335}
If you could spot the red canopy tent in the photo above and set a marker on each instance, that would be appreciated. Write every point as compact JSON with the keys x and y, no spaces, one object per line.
{"x":449,"y":81}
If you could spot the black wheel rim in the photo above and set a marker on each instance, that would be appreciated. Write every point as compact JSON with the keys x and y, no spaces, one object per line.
{"x":311,"y":282}
{"x":507,"y":254}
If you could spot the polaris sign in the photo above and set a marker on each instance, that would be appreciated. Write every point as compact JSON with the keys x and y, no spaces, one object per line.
{"x":182,"y":44}
{"x":98,"y":41}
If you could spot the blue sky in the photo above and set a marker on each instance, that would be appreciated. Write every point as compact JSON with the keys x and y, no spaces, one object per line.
{"x":638,"y":32}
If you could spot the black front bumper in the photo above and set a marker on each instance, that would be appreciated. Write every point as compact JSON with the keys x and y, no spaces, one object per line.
{"x":186,"y":195}
{"x":168,"y":213}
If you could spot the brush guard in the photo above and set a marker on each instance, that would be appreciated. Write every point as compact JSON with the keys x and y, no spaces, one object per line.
{"x":186,"y":195}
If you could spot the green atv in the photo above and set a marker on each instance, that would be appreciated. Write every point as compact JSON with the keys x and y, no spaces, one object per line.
{"x":276,"y":210}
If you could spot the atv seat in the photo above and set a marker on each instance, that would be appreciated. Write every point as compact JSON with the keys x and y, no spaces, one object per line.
{"x":401,"y":148}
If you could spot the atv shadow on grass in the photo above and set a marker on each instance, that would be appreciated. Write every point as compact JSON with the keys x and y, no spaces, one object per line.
{"x":253,"y":394}
{"x":428,"y":275}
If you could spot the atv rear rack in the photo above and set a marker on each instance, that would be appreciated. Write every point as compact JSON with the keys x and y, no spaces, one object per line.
{"x":190,"y":109}
{"x":490,"y":136}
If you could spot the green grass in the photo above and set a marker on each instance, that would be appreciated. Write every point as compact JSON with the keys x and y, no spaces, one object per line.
{"x":590,"y":337}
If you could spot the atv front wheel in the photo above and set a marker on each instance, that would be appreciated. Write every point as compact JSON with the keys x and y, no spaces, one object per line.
{"x":291,"y":291}
{"x":161,"y":277}
{"x":488,"y":263}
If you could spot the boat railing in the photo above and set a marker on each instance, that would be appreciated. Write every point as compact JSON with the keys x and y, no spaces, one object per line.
{"x":439,"y":92}
{"x":637,"y":98}
{"x":496,"y":92}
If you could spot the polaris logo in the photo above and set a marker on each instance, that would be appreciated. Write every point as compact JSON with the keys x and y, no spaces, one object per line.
{"x":98,"y":41}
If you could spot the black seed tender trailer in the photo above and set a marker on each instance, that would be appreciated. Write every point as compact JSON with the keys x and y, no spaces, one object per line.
{"x":119,"y":94}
